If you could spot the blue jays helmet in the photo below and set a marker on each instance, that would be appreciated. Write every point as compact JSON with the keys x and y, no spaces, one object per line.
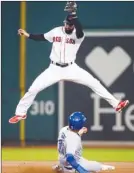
{"x":76,"y":120}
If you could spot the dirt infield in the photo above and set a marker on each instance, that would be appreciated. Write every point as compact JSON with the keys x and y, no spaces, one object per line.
{"x":46,"y":167}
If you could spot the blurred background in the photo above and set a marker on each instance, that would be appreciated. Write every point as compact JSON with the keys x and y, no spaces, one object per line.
{"x":107,"y":52}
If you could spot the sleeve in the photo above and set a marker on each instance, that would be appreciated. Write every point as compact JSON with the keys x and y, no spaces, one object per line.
{"x":37,"y":37}
{"x":75,"y":21}
{"x":80,"y":40}
{"x":49,"y":35}
{"x":72,"y":143}
{"x":70,"y":159}
{"x":78,"y":26}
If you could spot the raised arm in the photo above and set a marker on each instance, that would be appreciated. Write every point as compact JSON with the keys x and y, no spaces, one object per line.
{"x":71,"y":8}
{"x":77,"y":24}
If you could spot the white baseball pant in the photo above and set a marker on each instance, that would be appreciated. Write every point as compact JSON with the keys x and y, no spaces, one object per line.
{"x":91,"y":166}
{"x":54,"y":74}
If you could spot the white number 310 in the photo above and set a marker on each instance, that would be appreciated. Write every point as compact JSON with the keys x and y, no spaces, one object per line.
{"x":42,"y":108}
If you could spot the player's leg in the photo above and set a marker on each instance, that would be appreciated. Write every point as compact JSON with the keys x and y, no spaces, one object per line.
{"x":94,"y":166}
{"x":81,"y":76}
{"x":107,"y":167}
{"x":90,"y":165}
{"x":44,"y":80}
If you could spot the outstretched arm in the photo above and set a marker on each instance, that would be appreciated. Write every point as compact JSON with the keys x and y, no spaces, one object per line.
{"x":73,"y":142}
{"x":36,"y":37}
{"x":71,"y":160}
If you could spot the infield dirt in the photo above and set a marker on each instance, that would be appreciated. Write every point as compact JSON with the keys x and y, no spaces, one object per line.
{"x":46,"y":167}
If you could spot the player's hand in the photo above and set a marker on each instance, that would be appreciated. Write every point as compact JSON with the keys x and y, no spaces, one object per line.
{"x":82,"y":131}
{"x":57,"y":169}
{"x":23,"y":32}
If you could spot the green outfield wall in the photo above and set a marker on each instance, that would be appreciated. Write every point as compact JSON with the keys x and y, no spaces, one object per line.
{"x":40,"y":17}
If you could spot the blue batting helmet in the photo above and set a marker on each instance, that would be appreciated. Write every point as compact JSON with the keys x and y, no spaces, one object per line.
{"x":76,"y":120}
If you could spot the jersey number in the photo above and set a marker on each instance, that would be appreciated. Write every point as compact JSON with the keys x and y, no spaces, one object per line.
{"x":61,"y":147}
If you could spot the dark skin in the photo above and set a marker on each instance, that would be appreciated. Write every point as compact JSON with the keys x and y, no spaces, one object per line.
{"x":68,"y":28}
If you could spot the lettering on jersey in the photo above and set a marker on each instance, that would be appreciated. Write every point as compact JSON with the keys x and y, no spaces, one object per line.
{"x":61,"y":145}
{"x":78,"y":153}
{"x":57,"y":39}
{"x":63,"y":136}
{"x":68,"y":40}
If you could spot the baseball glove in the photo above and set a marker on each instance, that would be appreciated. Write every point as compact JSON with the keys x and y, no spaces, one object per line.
{"x":71,"y":7}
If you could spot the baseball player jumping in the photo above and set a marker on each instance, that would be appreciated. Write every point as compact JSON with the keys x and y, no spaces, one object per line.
{"x":70,"y":148}
{"x":66,"y":41}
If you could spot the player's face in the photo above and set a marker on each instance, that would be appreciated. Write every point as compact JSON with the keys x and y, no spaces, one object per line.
{"x":69,"y":28}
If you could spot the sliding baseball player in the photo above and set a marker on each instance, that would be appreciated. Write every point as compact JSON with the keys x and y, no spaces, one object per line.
{"x":70,"y":148}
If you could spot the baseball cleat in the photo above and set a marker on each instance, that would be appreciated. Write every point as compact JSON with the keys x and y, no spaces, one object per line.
{"x":107,"y":167}
{"x":16,"y":119}
{"x":122,"y":105}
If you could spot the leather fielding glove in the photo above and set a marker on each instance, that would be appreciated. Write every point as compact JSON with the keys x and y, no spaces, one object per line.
{"x":71,"y":7}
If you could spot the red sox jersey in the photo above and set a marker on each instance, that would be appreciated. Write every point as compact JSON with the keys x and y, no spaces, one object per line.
{"x":65,"y":46}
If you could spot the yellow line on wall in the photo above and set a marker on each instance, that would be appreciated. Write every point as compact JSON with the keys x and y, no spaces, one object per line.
{"x":22,"y":65}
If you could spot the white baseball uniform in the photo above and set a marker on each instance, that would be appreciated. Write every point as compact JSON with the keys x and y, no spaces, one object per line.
{"x":70,"y":142}
{"x":64,"y":50}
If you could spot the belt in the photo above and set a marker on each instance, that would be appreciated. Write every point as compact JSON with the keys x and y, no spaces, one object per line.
{"x":61,"y":65}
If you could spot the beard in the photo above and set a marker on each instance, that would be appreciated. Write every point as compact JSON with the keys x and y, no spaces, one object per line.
{"x":68,"y":31}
